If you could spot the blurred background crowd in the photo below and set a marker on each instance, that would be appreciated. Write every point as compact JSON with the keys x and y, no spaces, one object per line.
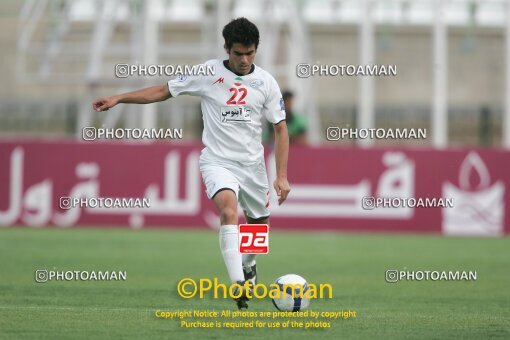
{"x":452,"y":62}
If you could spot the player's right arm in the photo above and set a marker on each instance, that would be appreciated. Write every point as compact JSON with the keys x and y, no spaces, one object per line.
{"x":144,"y":96}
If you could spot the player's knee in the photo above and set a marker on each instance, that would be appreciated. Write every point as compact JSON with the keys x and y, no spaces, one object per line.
{"x":228,"y":215}
{"x":261,"y":220}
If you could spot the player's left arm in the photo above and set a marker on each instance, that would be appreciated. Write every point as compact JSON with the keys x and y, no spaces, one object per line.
{"x":281,"y":184}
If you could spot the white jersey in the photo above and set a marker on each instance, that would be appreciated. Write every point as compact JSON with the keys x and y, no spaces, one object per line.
{"x":232,"y":108}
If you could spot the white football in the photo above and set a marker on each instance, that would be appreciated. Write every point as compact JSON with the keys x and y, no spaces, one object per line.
{"x":287,"y":301}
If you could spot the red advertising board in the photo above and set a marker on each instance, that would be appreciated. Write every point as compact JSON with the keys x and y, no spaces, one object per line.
{"x":329,"y":186}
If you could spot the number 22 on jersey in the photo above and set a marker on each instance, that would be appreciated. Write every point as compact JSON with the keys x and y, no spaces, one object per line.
{"x":237,"y":96}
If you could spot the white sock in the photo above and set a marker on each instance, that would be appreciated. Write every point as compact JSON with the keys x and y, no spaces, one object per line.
{"x":248,"y":260}
{"x":229,"y":245}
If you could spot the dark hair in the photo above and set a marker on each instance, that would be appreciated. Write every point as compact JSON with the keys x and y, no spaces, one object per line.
{"x":242,"y":31}
{"x":287,"y":94}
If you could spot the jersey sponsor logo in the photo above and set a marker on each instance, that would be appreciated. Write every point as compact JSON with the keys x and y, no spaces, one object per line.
{"x":282,"y":104}
{"x":256,"y":83}
{"x":235,"y":114}
{"x":182,"y":77}
{"x":253,"y":239}
{"x":219,"y":80}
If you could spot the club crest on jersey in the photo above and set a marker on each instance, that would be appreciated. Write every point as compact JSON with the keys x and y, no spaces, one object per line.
{"x":220,"y":80}
{"x":256,"y":83}
{"x":235,"y":114}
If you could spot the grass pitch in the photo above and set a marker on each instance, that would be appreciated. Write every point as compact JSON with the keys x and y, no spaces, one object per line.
{"x":155,"y":260}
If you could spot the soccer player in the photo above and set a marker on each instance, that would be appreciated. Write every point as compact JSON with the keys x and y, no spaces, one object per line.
{"x":233,"y":101}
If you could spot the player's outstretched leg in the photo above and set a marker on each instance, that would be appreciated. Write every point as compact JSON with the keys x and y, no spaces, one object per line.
{"x":226,"y":201}
{"x":242,"y":292}
{"x":230,"y":251}
{"x":250,"y":268}
{"x":249,"y":264}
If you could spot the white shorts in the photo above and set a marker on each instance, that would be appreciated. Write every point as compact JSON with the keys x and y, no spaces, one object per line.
{"x":248,"y":182}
